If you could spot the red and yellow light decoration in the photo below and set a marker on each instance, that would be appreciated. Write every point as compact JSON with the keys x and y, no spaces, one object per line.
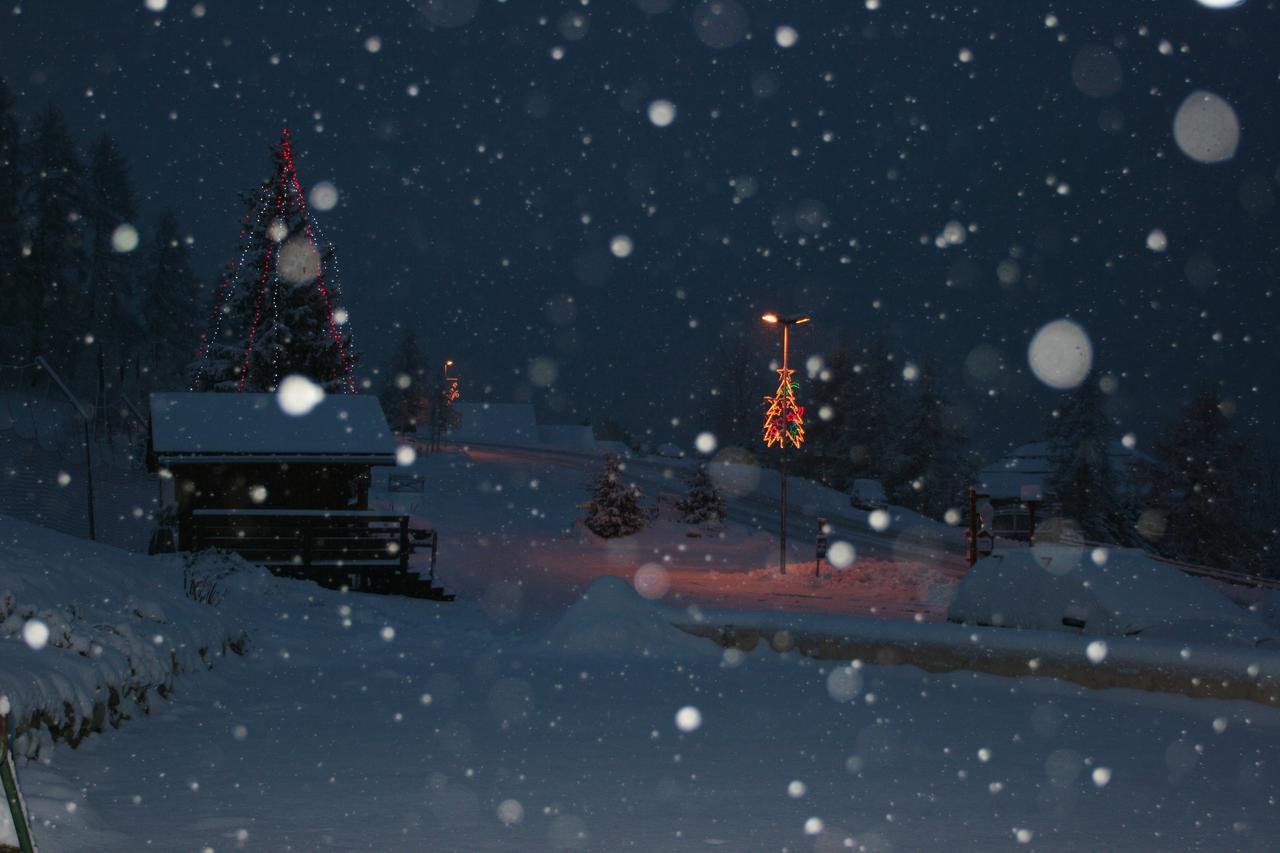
{"x":282,"y":199}
{"x":784,"y":420}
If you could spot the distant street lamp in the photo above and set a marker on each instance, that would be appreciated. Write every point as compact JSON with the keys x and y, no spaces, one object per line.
{"x":784,"y":420}
{"x":442,"y":407}
{"x":451,"y":383}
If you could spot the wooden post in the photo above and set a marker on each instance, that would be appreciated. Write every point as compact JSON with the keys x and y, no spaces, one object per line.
{"x":404,"y":543}
{"x":17,"y":808}
{"x":88,"y":479}
{"x":971,"y":535}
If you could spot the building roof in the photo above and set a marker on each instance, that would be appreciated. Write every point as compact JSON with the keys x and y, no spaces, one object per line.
{"x":190,"y":426}
{"x":1029,"y":465}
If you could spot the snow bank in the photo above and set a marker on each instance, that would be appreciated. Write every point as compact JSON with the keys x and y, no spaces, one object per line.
{"x":612,"y":620}
{"x":89,"y":633}
{"x":1108,"y":592}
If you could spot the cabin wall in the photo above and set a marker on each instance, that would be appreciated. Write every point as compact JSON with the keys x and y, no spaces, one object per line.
{"x":288,"y":485}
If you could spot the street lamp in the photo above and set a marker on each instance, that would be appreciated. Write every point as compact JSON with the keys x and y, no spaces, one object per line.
{"x":784,"y":420}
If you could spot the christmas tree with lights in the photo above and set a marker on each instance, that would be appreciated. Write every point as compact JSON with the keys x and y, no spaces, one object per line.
{"x":615,"y":508}
{"x":278,"y":307}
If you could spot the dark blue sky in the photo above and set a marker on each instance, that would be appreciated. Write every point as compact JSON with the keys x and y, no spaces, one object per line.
{"x":481,"y":209}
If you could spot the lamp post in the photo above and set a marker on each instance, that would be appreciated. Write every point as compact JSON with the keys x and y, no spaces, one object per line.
{"x":441,"y":405}
{"x":784,"y":420}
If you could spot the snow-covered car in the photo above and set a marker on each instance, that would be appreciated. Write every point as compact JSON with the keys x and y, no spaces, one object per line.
{"x":868,"y":494}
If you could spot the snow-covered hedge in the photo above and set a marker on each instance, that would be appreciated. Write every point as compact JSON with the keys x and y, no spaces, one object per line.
{"x":90,"y":634}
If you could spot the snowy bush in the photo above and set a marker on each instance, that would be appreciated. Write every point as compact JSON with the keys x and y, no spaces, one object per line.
{"x":703,"y":504}
{"x":615,"y":508}
{"x":89,"y":635}
{"x":204,"y":575}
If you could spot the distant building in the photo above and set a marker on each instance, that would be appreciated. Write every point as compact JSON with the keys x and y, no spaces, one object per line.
{"x":1026,"y":470}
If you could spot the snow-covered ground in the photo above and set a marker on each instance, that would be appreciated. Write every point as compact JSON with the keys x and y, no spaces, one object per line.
{"x":360,"y":722}
{"x":509,"y":522}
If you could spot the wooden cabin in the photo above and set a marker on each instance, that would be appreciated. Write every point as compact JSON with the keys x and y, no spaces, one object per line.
{"x":291,"y":492}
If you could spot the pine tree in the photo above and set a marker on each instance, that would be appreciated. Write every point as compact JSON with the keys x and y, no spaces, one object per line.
{"x":169,"y":303}
{"x":406,"y":395}
{"x":730,"y":409}
{"x":109,"y":203}
{"x":935,"y":466}
{"x":53,"y":274}
{"x":278,"y":308}
{"x":871,"y":410}
{"x":1202,"y":487}
{"x":703,"y":503}
{"x":829,"y":457}
{"x":615,"y":508}
{"x":1082,"y":482}
{"x":10,"y":223}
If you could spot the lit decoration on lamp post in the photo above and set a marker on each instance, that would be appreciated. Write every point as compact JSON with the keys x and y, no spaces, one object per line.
{"x":451,"y":392}
{"x":784,"y":419}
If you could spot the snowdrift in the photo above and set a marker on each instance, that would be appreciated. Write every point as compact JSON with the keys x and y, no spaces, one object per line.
{"x":612,"y":620}
{"x":91,"y":633}
{"x":1123,"y":592}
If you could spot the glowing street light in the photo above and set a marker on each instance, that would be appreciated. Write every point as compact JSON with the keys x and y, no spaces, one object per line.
{"x":784,"y":419}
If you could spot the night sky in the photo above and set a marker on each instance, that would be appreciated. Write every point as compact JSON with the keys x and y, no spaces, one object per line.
{"x":487,"y":152}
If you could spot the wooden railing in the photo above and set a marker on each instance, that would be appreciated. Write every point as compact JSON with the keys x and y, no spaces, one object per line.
{"x":322,"y":545}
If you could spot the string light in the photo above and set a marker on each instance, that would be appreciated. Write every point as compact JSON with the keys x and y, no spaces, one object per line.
{"x":289,"y":204}
{"x":784,"y":420}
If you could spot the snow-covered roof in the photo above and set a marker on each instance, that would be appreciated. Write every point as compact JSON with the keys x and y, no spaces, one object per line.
{"x":1029,"y":465}
{"x":567,"y":436}
{"x":346,"y":427}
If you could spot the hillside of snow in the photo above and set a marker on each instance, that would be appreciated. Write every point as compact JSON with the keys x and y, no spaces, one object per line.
{"x":357,"y":722}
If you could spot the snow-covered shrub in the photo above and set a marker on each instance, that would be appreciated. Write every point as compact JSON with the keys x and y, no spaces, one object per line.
{"x":204,"y":576}
{"x":615,"y":508}
{"x":703,"y":504}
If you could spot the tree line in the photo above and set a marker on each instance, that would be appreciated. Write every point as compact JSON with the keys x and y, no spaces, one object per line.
{"x":867,"y":416}
{"x":1202,"y":489}
{"x":81,"y":281}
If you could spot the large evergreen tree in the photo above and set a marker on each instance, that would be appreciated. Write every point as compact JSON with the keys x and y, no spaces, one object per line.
{"x":52,"y":276}
{"x":110,"y":202}
{"x":935,"y":465}
{"x":10,"y":228}
{"x":871,"y":413}
{"x":828,"y":453}
{"x":1082,"y":482}
{"x":278,"y":310}
{"x":168,"y":291}
{"x":1203,"y":485}
{"x":405,"y":394}
{"x":731,"y":408}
